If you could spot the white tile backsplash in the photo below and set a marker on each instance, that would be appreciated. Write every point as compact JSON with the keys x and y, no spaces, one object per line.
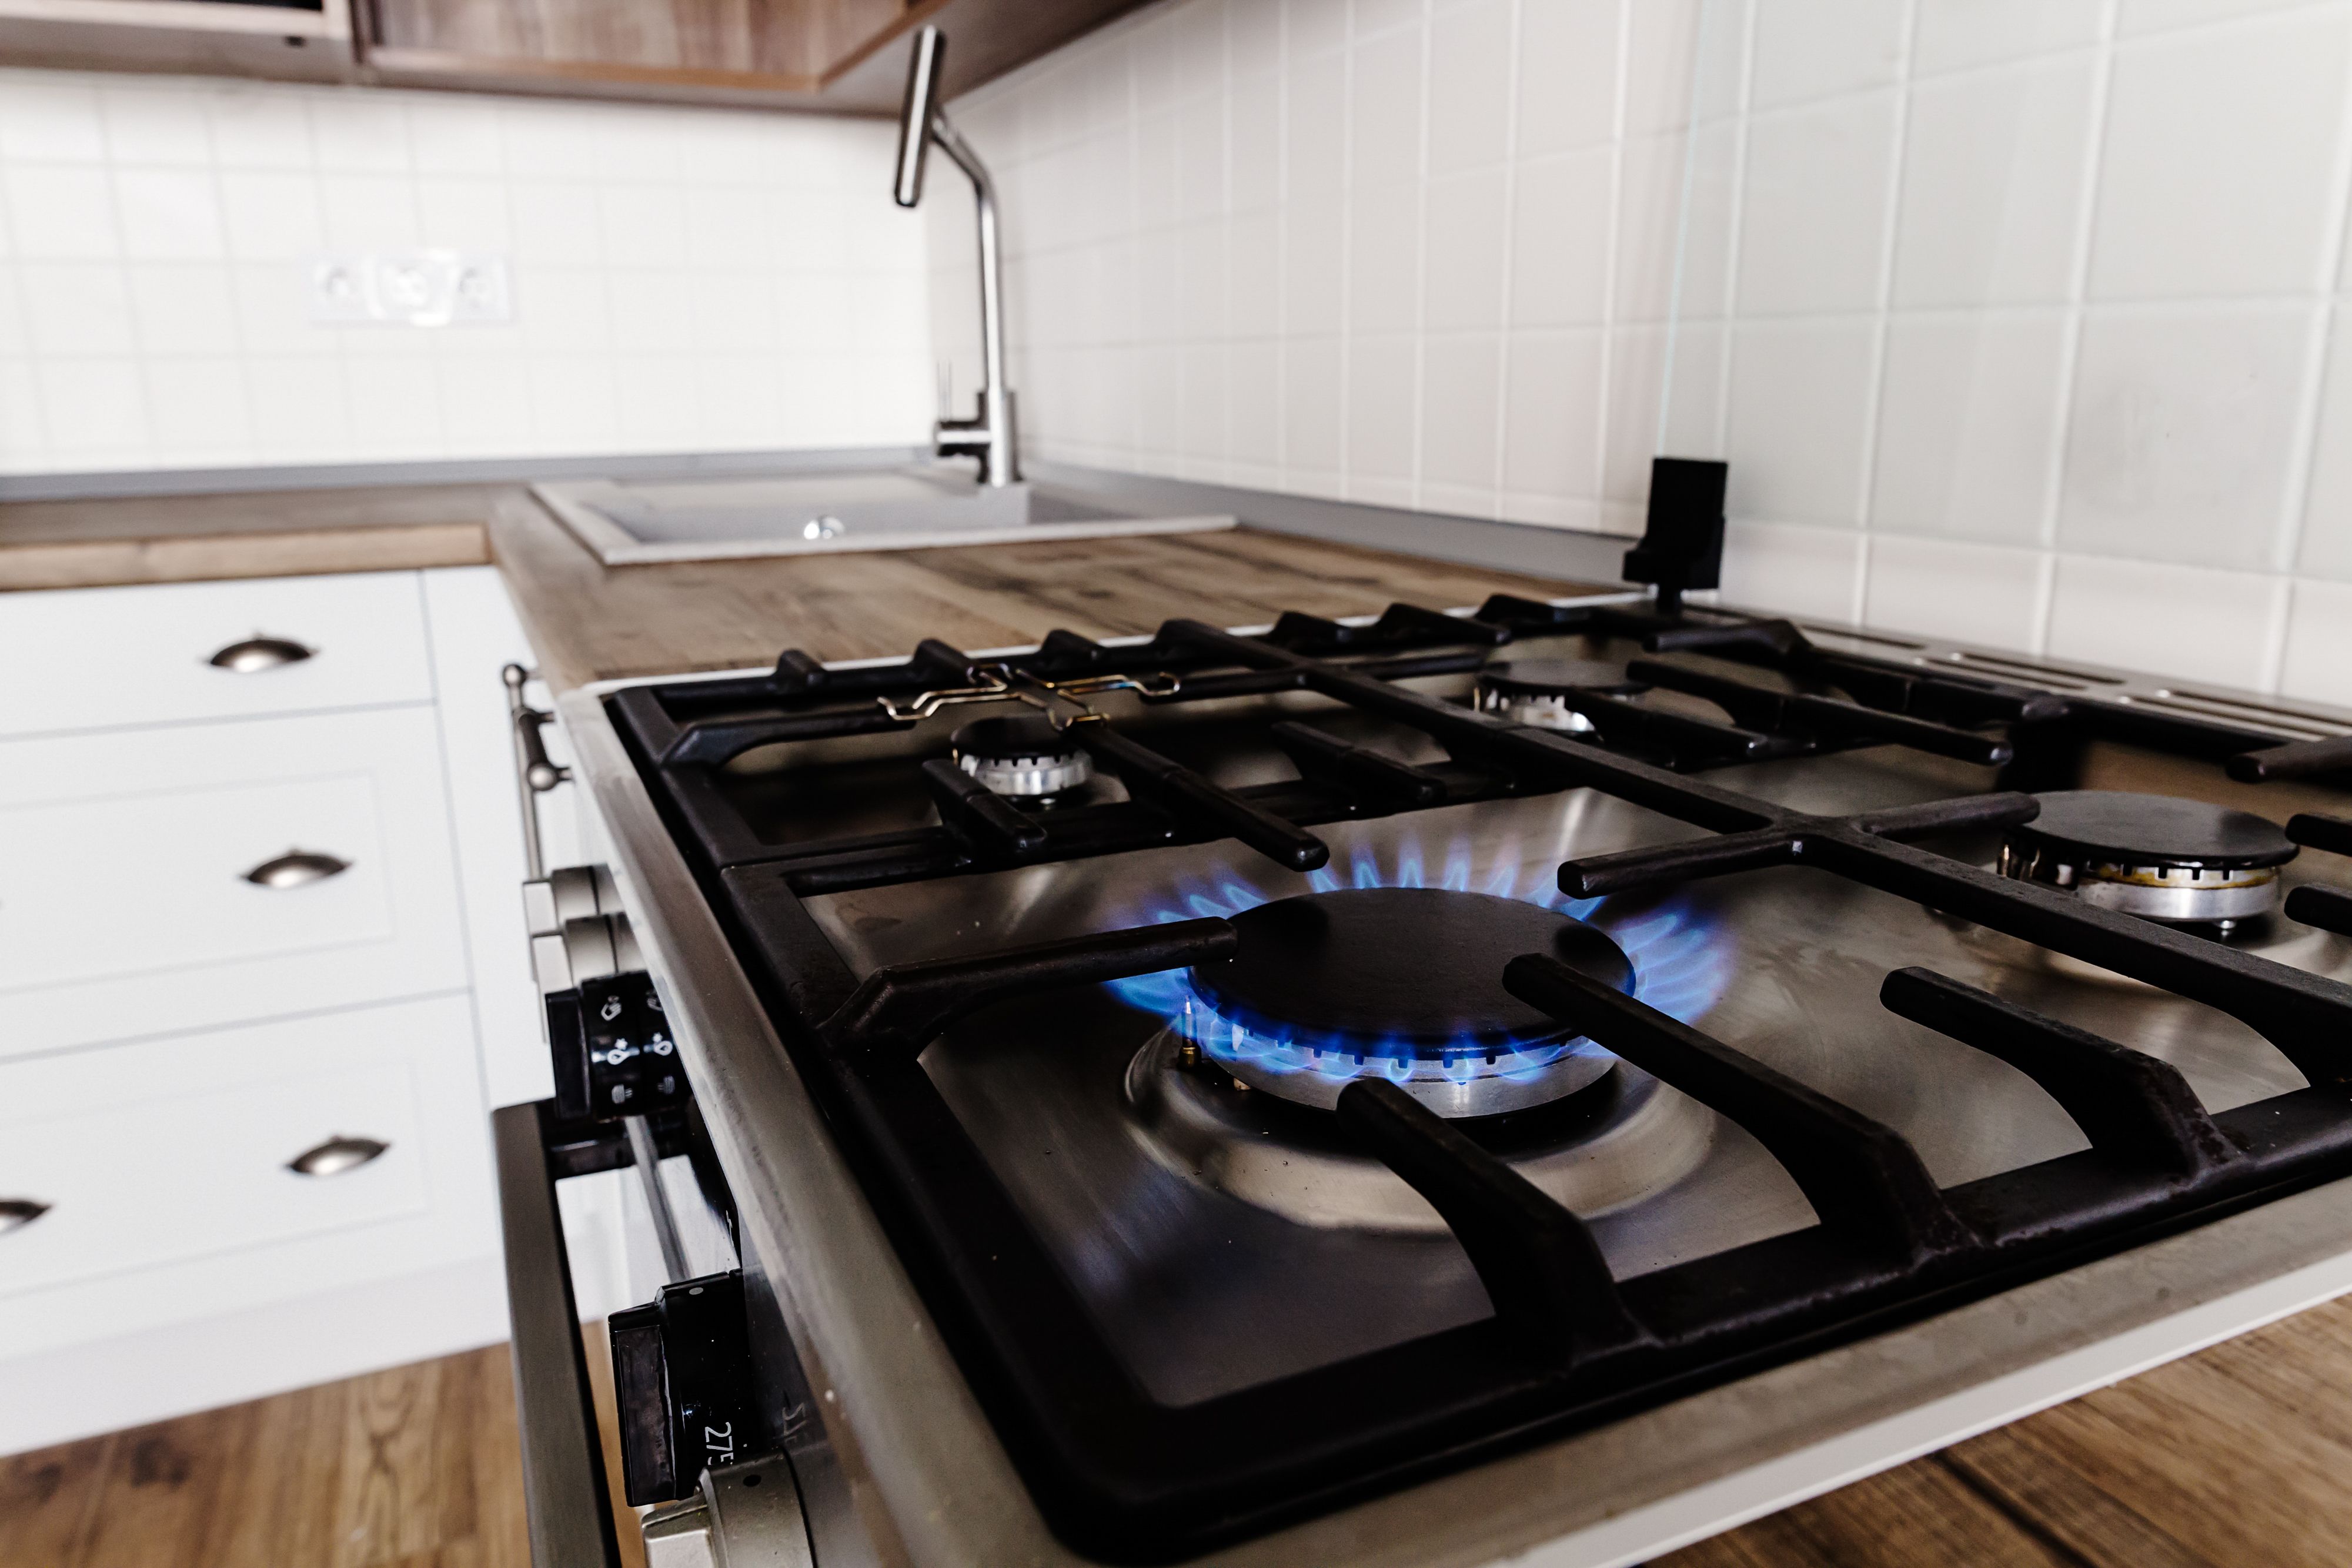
{"x":1992,"y":594}
{"x":1568,"y":83}
{"x":2318,"y":656}
{"x":2014,"y":318}
{"x":1799,"y":571}
{"x":1967,"y":426}
{"x":61,"y":212}
{"x":2153,"y":16}
{"x":2222,"y":170}
{"x":1651,"y":173}
{"x":1463,"y":220}
{"x":1552,"y":403}
{"x":1560,"y":258}
{"x":1807,"y":49}
{"x":1813,"y":231}
{"x":2183,"y":434}
{"x":1952,"y":35}
{"x":1458,"y":428}
{"x":1799,"y":424}
{"x":1435,"y":216}
{"x":1469,"y":59}
{"x":158,"y":233}
{"x":2104,"y":368}
{"x":2132,"y":613}
{"x":1995,"y":166}
{"x":2021,"y":322}
{"x":2325,"y":535}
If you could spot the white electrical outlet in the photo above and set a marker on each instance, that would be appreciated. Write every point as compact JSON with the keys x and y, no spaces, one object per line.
{"x":430,"y":288}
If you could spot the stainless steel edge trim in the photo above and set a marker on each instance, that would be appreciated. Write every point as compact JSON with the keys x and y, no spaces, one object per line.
{"x":95,"y":484}
{"x":571,"y":1512}
{"x":874,"y":1361}
{"x":1527,"y":548}
{"x":2085,"y":681}
{"x":901,"y":1415}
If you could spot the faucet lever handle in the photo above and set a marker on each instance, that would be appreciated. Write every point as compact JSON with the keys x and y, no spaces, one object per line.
{"x":915,"y":116}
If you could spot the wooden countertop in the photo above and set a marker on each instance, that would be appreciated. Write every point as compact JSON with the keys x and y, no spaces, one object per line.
{"x":265,"y":533}
{"x":589,"y":622}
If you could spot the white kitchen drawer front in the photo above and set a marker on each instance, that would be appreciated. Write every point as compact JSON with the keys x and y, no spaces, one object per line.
{"x":163,"y":1172}
{"x":94,"y":658}
{"x":129,"y":898}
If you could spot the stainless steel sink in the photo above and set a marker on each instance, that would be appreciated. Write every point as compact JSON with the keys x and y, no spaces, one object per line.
{"x":920,"y":506}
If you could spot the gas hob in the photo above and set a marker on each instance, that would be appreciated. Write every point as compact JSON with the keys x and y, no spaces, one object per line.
{"x":1295,"y":1062}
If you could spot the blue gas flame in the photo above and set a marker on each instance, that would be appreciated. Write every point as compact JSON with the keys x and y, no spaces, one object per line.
{"x":1681,"y":964}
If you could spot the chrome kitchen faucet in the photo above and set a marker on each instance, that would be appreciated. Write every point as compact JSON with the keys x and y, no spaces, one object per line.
{"x":989,"y":434}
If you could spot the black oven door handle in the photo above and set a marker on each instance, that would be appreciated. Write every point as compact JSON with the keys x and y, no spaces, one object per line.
{"x":570,"y":1509}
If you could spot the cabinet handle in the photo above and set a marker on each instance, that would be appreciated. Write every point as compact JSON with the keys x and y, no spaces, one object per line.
{"x":16,"y":1213}
{"x":255,"y":655}
{"x":336,"y":1155}
{"x":297,"y":868}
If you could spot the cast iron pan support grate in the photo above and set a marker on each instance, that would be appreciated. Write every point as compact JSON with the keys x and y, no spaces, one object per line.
{"x":2328,"y":908}
{"x":1866,"y":1185}
{"x":1129,"y":1478}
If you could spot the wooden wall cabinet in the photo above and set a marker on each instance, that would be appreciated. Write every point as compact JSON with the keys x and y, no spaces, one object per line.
{"x":841,"y":57}
{"x":211,"y":38}
{"x":837,"y":55}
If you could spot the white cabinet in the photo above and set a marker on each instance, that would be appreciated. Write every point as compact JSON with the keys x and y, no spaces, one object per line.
{"x":243,"y":912}
{"x":97,"y":658}
{"x":127,"y":900}
{"x":166,"y":1167}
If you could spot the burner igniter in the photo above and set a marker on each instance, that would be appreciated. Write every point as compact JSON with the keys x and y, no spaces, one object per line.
{"x":2183,"y":863}
{"x":1537,"y":692}
{"x":1025,"y":756}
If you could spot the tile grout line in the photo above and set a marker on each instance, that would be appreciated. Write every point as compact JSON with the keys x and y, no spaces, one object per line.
{"x":1874,"y":408}
{"x":1224,"y":380}
{"x":1347,"y":252}
{"x":1605,"y":333}
{"x":1709,"y":16}
{"x":2070,"y":353}
{"x":1736,"y":240}
{"x":1282,"y":464}
{"x":1498,"y":470}
{"x":2320,"y":358}
{"x":1421,"y":266}
{"x":139,"y":356}
{"x":12,"y":273}
{"x":1743,"y":122}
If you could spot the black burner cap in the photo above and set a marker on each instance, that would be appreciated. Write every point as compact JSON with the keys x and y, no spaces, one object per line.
{"x":1383,"y":966}
{"x":1549,"y":677}
{"x":2111,"y":827}
{"x":1011,"y":739}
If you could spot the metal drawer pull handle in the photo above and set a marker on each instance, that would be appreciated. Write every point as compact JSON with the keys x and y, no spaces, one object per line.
{"x":336,"y":1155}
{"x":255,"y":655}
{"x":16,"y":1213}
{"x":297,"y":868}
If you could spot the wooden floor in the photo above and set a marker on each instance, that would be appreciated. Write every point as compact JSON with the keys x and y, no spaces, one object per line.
{"x":2238,"y":1457}
{"x":414,"y":1468}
